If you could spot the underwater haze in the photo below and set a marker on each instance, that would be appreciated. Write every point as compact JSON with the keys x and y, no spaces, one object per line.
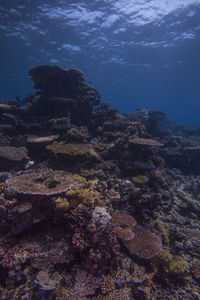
{"x":137,"y":54}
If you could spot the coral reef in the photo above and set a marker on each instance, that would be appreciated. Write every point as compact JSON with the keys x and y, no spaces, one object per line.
{"x":95,"y":204}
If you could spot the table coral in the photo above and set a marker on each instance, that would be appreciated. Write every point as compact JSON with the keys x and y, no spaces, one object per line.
{"x":43,"y":182}
{"x":72,"y":150}
{"x":13,"y":153}
{"x":146,"y":243}
{"x":121,"y":218}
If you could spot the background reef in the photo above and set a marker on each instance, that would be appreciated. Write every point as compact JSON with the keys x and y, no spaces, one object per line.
{"x":95,"y":204}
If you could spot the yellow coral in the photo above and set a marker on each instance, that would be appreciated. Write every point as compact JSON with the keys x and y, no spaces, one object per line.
{"x":178,"y":265}
{"x":163,"y":228}
{"x":72,"y":149}
{"x":91,"y":173}
{"x":61,"y":203}
{"x":86,"y":196}
{"x":169,"y":264}
{"x":84,"y":192}
{"x":108,"y":284}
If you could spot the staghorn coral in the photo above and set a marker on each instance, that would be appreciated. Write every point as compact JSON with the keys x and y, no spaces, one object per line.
{"x":146,"y":243}
{"x":42,"y":183}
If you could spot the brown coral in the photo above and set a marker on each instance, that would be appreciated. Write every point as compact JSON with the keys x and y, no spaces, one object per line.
{"x":124,"y":234}
{"x":43,"y":182}
{"x":146,"y":243}
{"x":144,"y":142}
{"x":121,"y":218}
{"x":72,"y":149}
{"x":13,"y":153}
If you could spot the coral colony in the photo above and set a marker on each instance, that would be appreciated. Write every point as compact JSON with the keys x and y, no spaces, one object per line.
{"x":95,"y":204}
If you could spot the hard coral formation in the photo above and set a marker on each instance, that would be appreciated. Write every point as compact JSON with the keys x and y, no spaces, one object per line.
{"x":144,"y":142}
{"x":73,"y":150}
{"x":170,"y":264}
{"x":62,"y":91}
{"x":47,"y":281}
{"x":75,"y":178}
{"x":146,"y":244}
{"x":43,"y":183}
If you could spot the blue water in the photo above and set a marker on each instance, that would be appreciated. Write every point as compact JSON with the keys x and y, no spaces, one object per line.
{"x":135,"y":53}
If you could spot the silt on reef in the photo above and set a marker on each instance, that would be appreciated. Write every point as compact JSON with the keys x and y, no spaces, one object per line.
{"x":95,"y":204}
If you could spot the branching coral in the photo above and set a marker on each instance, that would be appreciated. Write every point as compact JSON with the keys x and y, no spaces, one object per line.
{"x":169,"y":263}
{"x":83,"y":284}
{"x":162,"y":227}
{"x":107,"y":284}
{"x":97,"y":247}
{"x":83,"y":192}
